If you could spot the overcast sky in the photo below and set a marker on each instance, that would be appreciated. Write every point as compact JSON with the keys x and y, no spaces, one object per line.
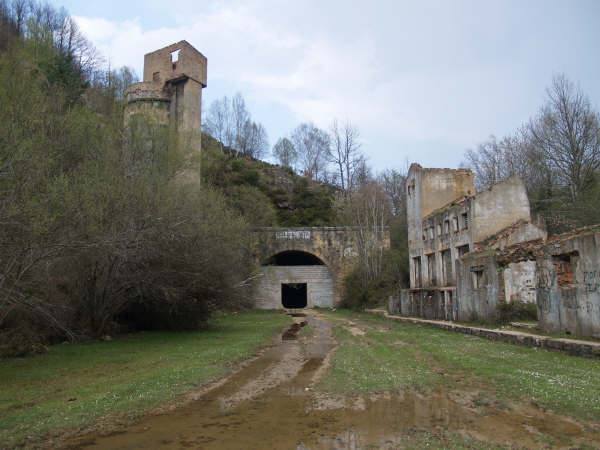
{"x":423,"y":80}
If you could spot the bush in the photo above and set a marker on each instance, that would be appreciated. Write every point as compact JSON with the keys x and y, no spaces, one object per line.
{"x":103,"y":233}
{"x":253,"y":205}
{"x":516,"y":310}
{"x":361,"y":293}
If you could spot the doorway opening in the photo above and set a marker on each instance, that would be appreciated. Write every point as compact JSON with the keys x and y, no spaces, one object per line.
{"x":293,"y":295}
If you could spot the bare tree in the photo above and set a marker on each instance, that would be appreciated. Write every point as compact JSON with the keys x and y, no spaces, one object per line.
{"x":369,"y":210}
{"x":218,"y":121}
{"x":392,"y":182}
{"x":345,"y":154}
{"x":230,"y":122}
{"x":42,"y":23}
{"x":495,"y":160}
{"x":312,"y":145}
{"x":285,"y":152}
{"x":567,"y":134}
{"x":239,"y":117}
{"x":253,"y":140}
{"x":20,"y":10}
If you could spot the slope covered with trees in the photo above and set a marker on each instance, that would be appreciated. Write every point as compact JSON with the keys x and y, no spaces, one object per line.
{"x":107,"y":229}
{"x":97,"y":233}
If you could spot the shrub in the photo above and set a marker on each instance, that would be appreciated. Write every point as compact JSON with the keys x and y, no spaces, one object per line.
{"x":361,"y":293}
{"x":516,"y":310}
{"x":102,"y":233}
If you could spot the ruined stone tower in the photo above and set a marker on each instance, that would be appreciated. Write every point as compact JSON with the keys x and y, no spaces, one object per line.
{"x":171,"y":92}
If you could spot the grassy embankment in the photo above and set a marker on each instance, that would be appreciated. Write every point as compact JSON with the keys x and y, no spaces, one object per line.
{"x":394,"y":356}
{"x":74,"y":385}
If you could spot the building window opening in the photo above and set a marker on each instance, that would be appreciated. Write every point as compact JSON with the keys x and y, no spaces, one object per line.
{"x":156,"y":77}
{"x":175,"y":58}
{"x":465,"y":221}
{"x":410,"y":188}
{"x":564,"y":266}
{"x":447,"y":268}
{"x":431,"y":269}
{"x":463,"y":250}
{"x":479,"y":277}
{"x":417,"y":271}
{"x":455,"y":224}
{"x":293,"y":295}
{"x":439,"y":229}
{"x":446,"y":226}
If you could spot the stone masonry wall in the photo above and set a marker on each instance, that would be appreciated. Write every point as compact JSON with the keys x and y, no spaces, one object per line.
{"x":319,"y":280}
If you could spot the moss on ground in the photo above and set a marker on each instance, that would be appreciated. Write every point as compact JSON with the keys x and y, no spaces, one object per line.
{"x":75,"y":384}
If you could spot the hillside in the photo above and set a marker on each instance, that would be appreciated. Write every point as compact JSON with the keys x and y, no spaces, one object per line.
{"x":266,"y":194}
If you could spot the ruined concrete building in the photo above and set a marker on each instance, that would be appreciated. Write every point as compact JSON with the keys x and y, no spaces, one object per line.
{"x":470,"y":251}
{"x":446,"y":221}
{"x":171,"y":92}
{"x":561,"y":275}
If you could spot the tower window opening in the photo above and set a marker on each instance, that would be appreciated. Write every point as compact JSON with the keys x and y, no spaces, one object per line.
{"x":175,"y":58}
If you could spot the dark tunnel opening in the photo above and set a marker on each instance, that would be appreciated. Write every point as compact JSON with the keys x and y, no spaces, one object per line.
{"x":294,"y":258}
{"x":293,"y":295}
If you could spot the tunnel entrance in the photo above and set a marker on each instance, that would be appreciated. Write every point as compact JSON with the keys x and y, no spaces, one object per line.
{"x":294,"y":279}
{"x":293,"y":295}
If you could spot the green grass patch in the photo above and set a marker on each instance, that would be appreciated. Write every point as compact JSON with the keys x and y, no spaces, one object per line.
{"x":373,"y":363}
{"x":395,"y":355}
{"x":74,"y":384}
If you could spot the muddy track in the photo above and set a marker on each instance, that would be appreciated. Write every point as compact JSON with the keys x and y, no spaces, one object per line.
{"x":272,"y":403}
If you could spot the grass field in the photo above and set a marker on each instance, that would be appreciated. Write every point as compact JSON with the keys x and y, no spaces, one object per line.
{"x":73,"y":385}
{"x":394,"y":355}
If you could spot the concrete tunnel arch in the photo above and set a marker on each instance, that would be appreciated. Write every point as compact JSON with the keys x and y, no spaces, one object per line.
{"x":295,"y":278}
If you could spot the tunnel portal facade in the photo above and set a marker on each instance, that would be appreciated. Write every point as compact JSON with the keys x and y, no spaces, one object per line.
{"x":305,"y":267}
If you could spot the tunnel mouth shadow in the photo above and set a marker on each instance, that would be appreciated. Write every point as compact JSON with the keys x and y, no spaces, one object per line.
{"x":294,"y":295}
{"x":294,"y":258}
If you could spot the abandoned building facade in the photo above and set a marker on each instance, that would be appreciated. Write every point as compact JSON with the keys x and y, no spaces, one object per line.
{"x":171,"y":92}
{"x":470,"y":251}
{"x":446,"y":221}
{"x":563,"y":272}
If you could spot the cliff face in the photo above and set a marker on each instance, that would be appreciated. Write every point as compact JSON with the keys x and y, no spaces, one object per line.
{"x":267,"y":194}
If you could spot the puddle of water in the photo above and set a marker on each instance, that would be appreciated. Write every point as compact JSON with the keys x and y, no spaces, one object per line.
{"x":271,"y":404}
{"x":292,"y":331}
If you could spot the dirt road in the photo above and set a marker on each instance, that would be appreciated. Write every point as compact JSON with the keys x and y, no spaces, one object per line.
{"x":274,"y":403}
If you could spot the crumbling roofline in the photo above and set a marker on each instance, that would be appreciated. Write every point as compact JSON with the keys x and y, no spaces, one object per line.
{"x":182,"y":43}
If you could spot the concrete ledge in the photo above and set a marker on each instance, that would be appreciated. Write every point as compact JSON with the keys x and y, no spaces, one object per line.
{"x":570,"y":346}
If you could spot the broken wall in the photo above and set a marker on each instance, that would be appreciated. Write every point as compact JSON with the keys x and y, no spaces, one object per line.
{"x":568,"y":285}
{"x":499,"y":207}
{"x":479,"y":287}
{"x":432,"y":304}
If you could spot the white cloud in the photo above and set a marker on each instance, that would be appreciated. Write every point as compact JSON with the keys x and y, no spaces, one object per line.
{"x":438,"y":77}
